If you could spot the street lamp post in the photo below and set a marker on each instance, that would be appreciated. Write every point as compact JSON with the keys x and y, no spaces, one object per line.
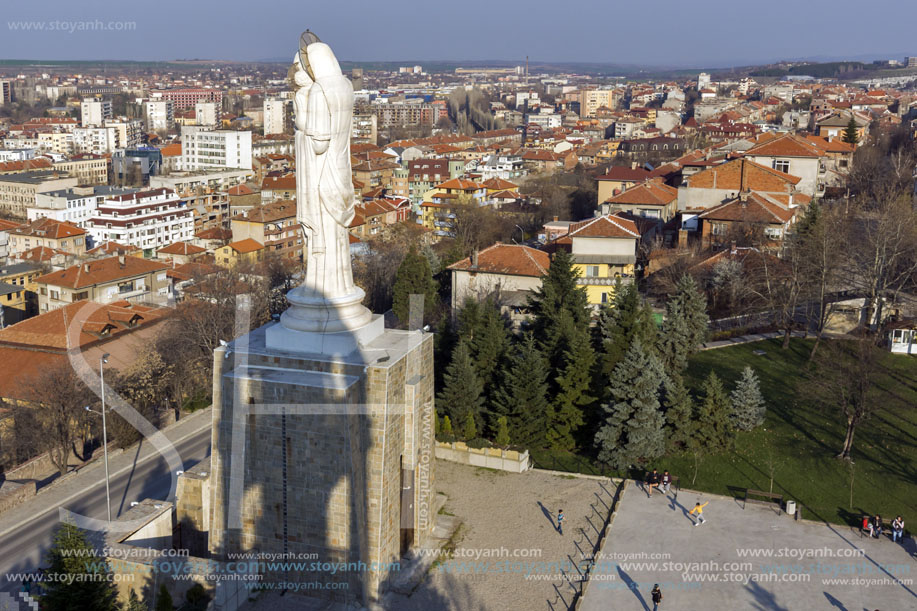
{"x":102,"y":361}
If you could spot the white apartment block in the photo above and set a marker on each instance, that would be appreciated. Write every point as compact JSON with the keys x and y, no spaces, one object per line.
{"x":128,"y":132}
{"x":75,"y":205}
{"x":145,"y":219}
{"x":93,"y":113}
{"x":274,"y":114}
{"x":202,"y":149}
{"x":95,"y":140}
{"x":206,"y":113}
{"x":545,"y":121}
{"x":158,"y":114}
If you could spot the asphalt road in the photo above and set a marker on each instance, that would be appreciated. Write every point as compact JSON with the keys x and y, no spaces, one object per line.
{"x":23,"y":549}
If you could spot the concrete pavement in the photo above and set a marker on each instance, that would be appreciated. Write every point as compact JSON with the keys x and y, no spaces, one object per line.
{"x":743,"y":558}
{"x":139,"y":472}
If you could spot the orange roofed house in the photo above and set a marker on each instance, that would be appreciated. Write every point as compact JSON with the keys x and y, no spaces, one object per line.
{"x":104,"y":281}
{"x":506,"y":272}
{"x":27,"y":349}
{"x":59,"y":235}
{"x":652,"y":199}
{"x":243,"y":252}
{"x":273,"y":226}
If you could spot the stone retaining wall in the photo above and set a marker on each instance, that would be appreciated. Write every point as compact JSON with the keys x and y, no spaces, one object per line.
{"x":490,"y":458}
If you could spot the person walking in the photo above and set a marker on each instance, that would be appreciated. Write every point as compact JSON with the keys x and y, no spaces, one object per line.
{"x":560,"y":521}
{"x":699,"y":510}
{"x":897,"y":529}
{"x":656,"y":595}
{"x":666,"y":480}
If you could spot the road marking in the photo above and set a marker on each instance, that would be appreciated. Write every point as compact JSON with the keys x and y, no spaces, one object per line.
{"x":4,"y":533}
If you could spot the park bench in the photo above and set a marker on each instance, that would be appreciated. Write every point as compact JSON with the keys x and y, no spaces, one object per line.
{"x":770,"y":498}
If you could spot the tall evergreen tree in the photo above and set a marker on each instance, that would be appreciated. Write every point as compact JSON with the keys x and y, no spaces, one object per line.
{"x":748,"y":405}
{"x":567,"y":411}
{"x":633,"y":431}
{"x":71,"y":554}
{"x":461,"y":394}
{"x":523,"y":396}
{"x":559,"y":309}
{"x":629,"y":318}
{"x":685,"y":327}
{"x":470,"y":429}
{"x":679,"y":413}
{"x":714,"y":426}
{"x":850,"y":132}
{"x":413,"y":278}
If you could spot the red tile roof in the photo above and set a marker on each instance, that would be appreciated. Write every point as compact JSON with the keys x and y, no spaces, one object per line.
{"x":245,"y":246}
{"x":789,"y":145}
{"x":650,"y":193}
{"x":608,"y":226}
{"x":509,"y":259}
{"x":751,"y":208}
{"x":625,"y":174}
{"x":181,"y":248}
{"x":101,"y":271}
{"x":48,"y":228}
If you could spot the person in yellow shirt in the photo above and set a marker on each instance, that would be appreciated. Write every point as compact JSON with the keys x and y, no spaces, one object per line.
{"x":699,"y":510}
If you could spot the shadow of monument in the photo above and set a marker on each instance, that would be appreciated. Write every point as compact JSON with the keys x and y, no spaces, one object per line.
{"x":317,"y":461}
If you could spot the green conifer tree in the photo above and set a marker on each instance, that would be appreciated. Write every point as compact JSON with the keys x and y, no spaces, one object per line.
{"x":633,"y":432}
{"x":447,"y":427}
{"x":470,"y":429}
{"x":685,"y":327}
{"x":679,"y":413}
{"x":461,"y":394}
{"x":523,"y":396}
{"x":71,"y":554}
{"x":502,"y":438}
{"x":413,"y":277}
{"x":714,"y":426}
{"x":629,"y":318}
{"x":573,"y":398}
{"x":850,"y":132}
{"x":748,"y":407}
{"x":559,"y":309}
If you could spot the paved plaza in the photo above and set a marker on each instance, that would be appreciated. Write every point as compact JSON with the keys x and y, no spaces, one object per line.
{"x":751,"y":558}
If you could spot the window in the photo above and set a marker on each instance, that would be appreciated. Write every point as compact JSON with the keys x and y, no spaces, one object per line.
{"x":782,"y":165}
{"x":604,"y":297}
{"x":592,"y":271}
{"x":81,"y":295}
{"x":55,"y":294}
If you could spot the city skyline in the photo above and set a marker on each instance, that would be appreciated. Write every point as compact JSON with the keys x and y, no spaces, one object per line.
{"x":479,"y":31}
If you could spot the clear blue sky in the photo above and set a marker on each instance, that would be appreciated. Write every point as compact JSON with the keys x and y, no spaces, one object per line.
{"x":659,"y":32}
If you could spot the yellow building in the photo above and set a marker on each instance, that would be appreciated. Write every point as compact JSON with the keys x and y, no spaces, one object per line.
{"x":18,"y":292}
{"x":243,"y":252}
{"x":604,"y":251}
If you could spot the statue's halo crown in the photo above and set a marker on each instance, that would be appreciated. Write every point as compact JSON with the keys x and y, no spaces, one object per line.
{"x":306,"y":39}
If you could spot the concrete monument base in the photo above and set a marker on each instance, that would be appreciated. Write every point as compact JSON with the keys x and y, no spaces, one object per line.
{"x":324,"y":458}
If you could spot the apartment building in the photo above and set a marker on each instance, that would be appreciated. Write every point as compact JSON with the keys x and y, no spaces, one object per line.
{"x":75,"y":205}
{"x":94,"y":112}
{"x":275,"y":112}
{"x":158,"y":115}
{"x":203,"y":148}
{"x":17,"y":191}
{"x":147,"y":219}
{"x":272,"y":225}
{"x":86,"y":168}
{"x":186,"y":98}
{"x":95,"y":140}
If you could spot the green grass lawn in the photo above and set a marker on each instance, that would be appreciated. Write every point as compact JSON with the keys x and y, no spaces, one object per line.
{"x":800,"y":438}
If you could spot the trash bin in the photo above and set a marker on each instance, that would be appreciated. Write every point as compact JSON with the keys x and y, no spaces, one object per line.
{"x":791,"y":508}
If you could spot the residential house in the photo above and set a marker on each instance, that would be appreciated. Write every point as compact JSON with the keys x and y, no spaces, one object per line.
{"x":618,"y":179}
{"x":104,"y":281}
{"x":652,"y":199}
{"x":180,"y":252}
{"x":720,"y":183}
{"x":245,"y":252}
{"x":754,"y":212}
{"x":507,"y":273}
{"x":276,"y":187}
{"x":793,"y":155}
{"x":604,"y":252}
{"x":59,"y":235}
{"x":835,"y":125}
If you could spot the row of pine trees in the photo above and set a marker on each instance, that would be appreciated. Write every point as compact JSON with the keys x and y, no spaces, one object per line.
{"x":613,"y":388}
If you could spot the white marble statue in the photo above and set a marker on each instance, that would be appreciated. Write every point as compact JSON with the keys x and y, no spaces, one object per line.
{"x":327,"y":301}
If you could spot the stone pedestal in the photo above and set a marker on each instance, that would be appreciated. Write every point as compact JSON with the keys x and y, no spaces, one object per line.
{"x":323,"y":458}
